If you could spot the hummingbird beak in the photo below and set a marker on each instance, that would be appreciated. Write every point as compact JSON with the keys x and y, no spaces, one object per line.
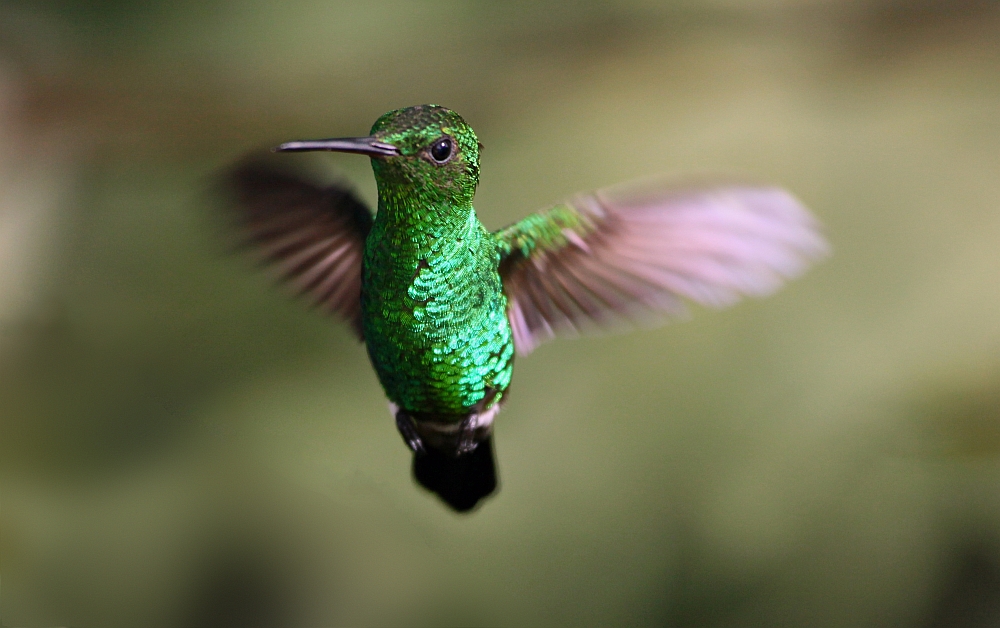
{"x":361,"y":145}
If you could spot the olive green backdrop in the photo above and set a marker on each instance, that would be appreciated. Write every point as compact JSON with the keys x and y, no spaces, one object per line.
{"x":182,"y":443}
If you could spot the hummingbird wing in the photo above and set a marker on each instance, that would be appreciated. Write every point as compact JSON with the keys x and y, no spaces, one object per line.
{"x":314,"y":235}
{"x":632,"y":254}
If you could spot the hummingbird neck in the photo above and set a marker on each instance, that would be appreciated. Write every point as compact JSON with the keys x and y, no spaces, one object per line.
{"x":423,"y":213}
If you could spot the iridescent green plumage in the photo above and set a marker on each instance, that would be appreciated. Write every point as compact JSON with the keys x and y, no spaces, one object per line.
{"x":433,"y":306}
{"x":442,"y":304}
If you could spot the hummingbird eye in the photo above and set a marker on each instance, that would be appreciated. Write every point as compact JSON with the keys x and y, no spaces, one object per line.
{"x":441,"y":150}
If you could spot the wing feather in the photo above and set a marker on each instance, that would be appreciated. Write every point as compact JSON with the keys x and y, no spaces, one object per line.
{"x":313,"y":236}
{"x":633,"y":254}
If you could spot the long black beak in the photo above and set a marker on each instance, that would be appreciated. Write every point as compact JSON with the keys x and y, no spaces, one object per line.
{"x":360,"y":145}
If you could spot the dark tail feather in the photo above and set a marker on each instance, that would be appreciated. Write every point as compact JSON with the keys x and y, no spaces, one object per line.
{"x":461,"y":482}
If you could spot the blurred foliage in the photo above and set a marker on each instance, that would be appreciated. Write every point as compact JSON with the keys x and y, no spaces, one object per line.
{"x":183,"y":444}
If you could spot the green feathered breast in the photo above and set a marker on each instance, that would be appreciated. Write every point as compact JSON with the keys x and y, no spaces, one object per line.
{"x":434,"y":313}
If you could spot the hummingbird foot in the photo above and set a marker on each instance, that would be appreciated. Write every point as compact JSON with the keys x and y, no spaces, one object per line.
{"x":455,"y":438}
{"x":467,"y":442}
{"x":409,"y":431}
{"x":476,"y":427}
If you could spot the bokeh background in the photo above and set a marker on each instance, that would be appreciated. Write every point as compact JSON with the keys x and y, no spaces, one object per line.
{"x":181,"y":443}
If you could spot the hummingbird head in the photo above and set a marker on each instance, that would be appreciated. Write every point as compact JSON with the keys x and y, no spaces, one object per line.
{"x":426,"y":152}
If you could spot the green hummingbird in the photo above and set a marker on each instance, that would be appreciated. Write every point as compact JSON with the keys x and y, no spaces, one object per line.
{"x":443,"y":305}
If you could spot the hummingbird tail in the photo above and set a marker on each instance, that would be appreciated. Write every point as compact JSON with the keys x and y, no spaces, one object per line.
{"x":460,"y":481}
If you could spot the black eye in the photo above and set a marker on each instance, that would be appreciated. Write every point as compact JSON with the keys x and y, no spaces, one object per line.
{"x":441,"y":150}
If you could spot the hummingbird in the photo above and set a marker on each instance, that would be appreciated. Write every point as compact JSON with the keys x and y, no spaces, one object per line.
{"x":444,"y":305}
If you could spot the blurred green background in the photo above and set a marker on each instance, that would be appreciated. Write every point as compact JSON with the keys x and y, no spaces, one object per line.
{"x":181,"y":443}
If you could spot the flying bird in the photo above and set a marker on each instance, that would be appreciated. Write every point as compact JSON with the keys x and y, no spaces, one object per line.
{"x":444,"y":305}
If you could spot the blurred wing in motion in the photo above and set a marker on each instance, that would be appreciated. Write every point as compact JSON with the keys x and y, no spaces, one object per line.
{"x":315,"y":236}
{"x":628,"y":254}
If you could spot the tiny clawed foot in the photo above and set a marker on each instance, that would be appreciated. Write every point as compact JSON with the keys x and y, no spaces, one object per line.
{"x":466,"y":436}
{"x":409,"y":433}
